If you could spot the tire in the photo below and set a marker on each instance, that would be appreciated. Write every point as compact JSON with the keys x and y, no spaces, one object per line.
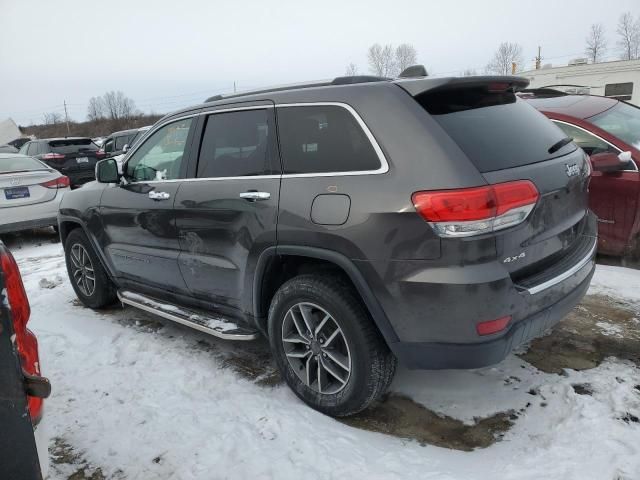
{"x":79,"y":252}
{"x":358,"y":345}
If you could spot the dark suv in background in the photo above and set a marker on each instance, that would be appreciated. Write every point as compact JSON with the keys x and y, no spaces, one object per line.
{"x":438,"y":222}
{"x":74,"y":157}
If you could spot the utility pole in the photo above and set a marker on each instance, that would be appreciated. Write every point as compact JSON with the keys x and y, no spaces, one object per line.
{"x":66,"y":117}
{"x":234,"y":86}
{"x":538,"y":59}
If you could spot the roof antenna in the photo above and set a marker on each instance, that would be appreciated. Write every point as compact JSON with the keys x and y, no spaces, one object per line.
{"x":414,"y":71}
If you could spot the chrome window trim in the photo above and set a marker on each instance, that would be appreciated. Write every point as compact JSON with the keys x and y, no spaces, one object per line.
{"x":567,"y":273}
{"x":599,"y":138}
{"x":384,"y":165}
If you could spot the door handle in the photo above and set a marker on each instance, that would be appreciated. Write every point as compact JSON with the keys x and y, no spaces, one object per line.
{"x":153,"y":195}
{"x":254,"y":196}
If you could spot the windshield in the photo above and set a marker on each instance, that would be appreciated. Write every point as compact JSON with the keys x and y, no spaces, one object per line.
{"x":622,"y":121}
{"x":20,"y":164}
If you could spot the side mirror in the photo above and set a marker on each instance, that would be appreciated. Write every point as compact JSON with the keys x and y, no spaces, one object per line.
{"x":107,"y":171}
{"x":609,"y":161}
{"x":125,"y":149}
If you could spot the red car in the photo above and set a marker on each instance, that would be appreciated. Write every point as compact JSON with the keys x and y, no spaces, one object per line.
{"x":23,"y":440}
{"x":609,"y":131}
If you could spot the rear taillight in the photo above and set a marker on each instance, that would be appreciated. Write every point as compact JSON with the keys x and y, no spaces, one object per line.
{"x":53,"y":156}
{"x":473,"y":211}
{"x":26,"y":342}
{"x":60,"y":182}
{"x":100,"y":153}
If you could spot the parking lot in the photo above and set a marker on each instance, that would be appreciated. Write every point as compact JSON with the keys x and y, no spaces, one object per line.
{"x":134,"y":398}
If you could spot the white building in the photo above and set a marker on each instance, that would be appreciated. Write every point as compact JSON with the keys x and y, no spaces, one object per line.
{"x":8,"y":131}
{"x":619,"y":79}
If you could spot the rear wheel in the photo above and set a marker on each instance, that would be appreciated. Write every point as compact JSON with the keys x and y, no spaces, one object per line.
{"x":326,"y":346}
{"x":88,"y":279}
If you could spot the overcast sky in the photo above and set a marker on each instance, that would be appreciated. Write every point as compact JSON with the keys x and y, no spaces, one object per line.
{"x":170,"y":54}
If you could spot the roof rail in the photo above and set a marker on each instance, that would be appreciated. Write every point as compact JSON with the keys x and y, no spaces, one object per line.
{"x":322,"y":83}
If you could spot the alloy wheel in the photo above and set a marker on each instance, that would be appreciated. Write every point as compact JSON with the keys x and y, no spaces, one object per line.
{"x":316,"y":348}
{"x":82,"y":270}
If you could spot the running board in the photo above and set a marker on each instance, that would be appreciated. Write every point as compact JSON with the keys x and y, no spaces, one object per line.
{"x":217,"y":327}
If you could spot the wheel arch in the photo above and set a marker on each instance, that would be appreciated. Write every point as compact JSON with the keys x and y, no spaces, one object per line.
{"x":67,"y":224}
{"x":269,"y":276}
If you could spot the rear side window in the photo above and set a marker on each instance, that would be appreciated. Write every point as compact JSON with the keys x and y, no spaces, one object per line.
{"x":322,"y":139}
{"x":589,"y":143}
{"x":72,"y":145}
{"x":494,"y":130}
{"x":238,"y":144}
{"x":32,"y":148}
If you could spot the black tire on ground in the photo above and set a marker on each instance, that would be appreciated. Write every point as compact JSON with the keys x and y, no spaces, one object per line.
{"x":103,"y":292}
{"x":372,"y":365}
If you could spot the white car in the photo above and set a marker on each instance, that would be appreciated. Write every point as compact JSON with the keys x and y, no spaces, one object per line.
{"x":30,"y":193}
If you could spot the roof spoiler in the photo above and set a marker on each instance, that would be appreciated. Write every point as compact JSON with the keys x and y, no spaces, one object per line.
{"x":496,"y":83}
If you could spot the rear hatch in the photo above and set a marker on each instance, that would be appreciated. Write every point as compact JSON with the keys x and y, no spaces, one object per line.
{"x":21,"y":180}
{"x":71,"y":155}
{"x":507,"y":140}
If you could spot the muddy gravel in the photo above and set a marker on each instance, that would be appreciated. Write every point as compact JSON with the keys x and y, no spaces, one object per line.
{"x":598,"y":328}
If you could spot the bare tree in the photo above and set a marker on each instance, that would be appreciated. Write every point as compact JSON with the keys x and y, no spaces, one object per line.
{"x":96,"y":108}
{"x":118,"y":106}
{"x":629,"y":33}
{"x":52,"y":118}
{"x":406,"y":56}
{"x":381,"y":60}
{"x":469,"y":72}
{"x":507,"y":54}
{"x":596,"y":43}
{"x":352,"y":70}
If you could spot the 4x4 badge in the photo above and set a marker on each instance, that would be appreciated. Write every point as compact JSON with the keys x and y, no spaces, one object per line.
{"x":572,"y":169}
{"x":514,"y":258}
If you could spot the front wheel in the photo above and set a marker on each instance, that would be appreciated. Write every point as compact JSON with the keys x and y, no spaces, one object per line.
{"x":326,"y":346}
{"x":88,"y":278}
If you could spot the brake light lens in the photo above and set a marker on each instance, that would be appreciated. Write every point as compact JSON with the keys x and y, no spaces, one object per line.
{"x":100,"y":153}
{"x":473,"y":211}
{"x":60,"y":182}
{"x":53,"y":156}
{"x":493,"y":326}
{"x":26,"y":342}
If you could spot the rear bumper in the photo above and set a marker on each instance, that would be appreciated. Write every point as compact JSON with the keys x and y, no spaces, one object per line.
{"x":431,"y":355}
{"x":26,"y":217}
{"x":434,"y":310}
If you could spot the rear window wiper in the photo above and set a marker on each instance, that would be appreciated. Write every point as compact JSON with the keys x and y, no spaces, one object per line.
{"x":558,"y":145}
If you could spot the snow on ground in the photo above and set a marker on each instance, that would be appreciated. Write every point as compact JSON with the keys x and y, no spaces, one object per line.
{"x":143,"y":402}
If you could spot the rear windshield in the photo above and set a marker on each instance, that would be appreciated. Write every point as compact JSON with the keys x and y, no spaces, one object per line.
{"x":72,"y":145}
{"x":20,"y":164}
{"x":495,"y":130}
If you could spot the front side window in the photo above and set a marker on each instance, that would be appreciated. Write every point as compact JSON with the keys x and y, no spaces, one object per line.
{"x":161,"y":156}
{"x":323,"y":139}
{"x":238,"y":144}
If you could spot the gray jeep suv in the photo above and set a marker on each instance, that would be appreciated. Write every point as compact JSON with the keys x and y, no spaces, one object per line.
{"x":357,"y":222}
